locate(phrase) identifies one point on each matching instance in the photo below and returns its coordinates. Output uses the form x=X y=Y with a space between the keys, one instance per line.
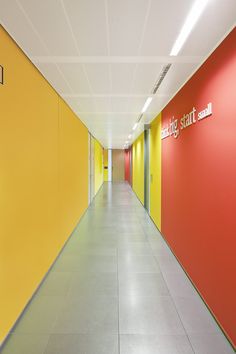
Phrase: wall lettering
x=187 y=120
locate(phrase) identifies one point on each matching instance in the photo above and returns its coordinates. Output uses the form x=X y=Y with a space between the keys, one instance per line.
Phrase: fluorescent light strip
x=191 y=20
x=146 y=104
x=135 y=126
x=129 y=136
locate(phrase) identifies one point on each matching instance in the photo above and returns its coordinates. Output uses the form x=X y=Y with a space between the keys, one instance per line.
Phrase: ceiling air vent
x=163 y=73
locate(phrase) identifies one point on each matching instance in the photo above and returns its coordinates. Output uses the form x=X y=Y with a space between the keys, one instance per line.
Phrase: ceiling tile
x=54 y=77
x=99 y=78
x=164 y=23
x=88 y=21
x=75 y=75
x=50 y=22
x=145 y=77
x=103 y=104
x=122 y=77
x=82 y=104
x=126 y=21
x=128 y=104
x=16 y=24
x=119 y=104
x=135 y=104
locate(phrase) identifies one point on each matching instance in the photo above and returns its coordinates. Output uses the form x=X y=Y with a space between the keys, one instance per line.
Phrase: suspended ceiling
x=104 y=56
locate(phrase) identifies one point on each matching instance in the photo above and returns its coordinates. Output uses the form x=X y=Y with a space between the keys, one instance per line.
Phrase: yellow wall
x=155 y=171
x=138 y=167
x=73 y=168
x=98 y=165
x=105 y=162
x=43 y=179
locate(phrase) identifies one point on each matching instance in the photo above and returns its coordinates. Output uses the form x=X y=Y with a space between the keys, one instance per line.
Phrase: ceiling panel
x=50 y=22
x=99 y=78
x=82 y=104
x=15 y=22
x=107 y=118
x=135 y=104
x=54 y=77
x=76 y=76
x=127 y=105
x=103 y=104
x=122 y=76
x=145 y=77
x=88 y=20
x=164 y=23
x=126 y=22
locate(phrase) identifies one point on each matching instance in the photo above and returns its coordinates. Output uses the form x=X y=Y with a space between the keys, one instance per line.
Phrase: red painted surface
x=199 y=184
x=127 y=165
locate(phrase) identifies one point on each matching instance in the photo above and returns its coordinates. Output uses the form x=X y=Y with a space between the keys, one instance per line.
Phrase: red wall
x=127 y=165
x=199 y=184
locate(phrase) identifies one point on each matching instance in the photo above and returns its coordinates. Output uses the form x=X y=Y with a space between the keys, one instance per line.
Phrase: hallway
x=116 y=288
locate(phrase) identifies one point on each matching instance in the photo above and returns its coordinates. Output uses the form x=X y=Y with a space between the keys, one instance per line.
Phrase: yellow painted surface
x=138 y=167
x=43 y=179
x=105 y=162
x=98 y=165
x=155 y=171
x=73 y=168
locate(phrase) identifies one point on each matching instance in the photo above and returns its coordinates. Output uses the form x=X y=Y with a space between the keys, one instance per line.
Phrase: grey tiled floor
x=116 y=288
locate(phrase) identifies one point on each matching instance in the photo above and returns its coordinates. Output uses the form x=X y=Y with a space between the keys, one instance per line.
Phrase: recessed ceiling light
x=135 y=126
x=189 y=23
x=146 y=104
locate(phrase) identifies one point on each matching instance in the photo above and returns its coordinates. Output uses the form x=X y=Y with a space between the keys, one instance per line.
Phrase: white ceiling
x=104 y=56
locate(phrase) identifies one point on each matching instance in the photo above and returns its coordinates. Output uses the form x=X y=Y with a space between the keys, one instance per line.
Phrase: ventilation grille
x=163 y=73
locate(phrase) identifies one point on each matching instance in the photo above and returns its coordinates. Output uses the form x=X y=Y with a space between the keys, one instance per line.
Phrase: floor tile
x=40 y=316
x=105 y=284
x=25 y=344
x=134 y=248
x=168 y=263
x=195 y=315
x=55 y=284
x=150 y=344
x=137 y=264
x=179 y=284
x=210 y=344
x=82 y=344
x=86 y=263
x=85 y=315
x=149 y=315
x=142 y=284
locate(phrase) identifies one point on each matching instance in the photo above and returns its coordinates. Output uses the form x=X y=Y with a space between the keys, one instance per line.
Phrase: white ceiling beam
x=116 y=59
x=106 y=95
